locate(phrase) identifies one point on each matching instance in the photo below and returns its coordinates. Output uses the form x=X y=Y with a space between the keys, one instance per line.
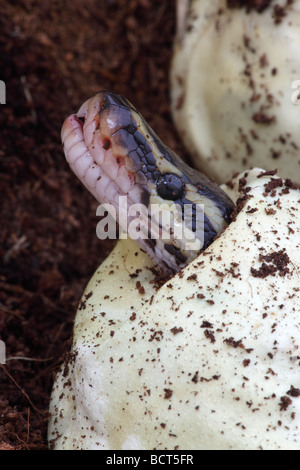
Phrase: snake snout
x=82 y=112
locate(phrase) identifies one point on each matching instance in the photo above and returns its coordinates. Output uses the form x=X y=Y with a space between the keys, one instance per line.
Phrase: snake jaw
x=73 y=143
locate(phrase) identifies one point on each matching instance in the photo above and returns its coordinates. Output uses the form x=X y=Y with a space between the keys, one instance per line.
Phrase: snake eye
x=170 y=186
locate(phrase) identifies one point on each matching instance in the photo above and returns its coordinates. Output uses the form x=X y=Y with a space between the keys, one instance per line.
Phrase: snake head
x=116 y=154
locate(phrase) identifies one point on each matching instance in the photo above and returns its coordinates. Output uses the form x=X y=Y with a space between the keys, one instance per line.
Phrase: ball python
x=115 y=153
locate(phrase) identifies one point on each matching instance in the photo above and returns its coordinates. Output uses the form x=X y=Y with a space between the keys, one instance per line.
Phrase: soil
x=53 y=56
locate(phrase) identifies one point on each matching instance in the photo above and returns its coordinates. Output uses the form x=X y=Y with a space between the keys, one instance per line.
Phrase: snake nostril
x=106 y=144
x=80 y=120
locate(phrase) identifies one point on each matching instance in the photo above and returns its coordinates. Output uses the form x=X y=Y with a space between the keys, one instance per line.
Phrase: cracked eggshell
x=209 y=360
x=231 y=88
